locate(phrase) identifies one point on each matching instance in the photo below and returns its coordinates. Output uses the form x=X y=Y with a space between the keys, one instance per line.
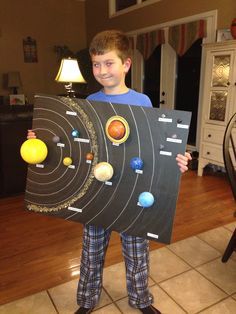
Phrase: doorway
x=187 y=85
x=151 y=83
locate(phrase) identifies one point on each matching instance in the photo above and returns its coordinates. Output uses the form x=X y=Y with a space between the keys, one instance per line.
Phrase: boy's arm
x=182 y=161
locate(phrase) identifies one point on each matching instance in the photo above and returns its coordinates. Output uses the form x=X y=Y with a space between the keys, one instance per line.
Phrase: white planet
x=103 y=171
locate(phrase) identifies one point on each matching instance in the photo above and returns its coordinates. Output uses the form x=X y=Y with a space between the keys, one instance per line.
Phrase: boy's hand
x=30 y=134
x=182 y=161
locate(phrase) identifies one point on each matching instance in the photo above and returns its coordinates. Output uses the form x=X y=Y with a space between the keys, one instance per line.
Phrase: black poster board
x=73 y=193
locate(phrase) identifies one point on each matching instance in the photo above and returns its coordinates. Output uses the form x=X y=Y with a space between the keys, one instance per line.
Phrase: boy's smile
x=110 y=71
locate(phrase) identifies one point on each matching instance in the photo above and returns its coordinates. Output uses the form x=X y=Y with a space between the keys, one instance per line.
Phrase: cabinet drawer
x=214 y=136
x=211 y=152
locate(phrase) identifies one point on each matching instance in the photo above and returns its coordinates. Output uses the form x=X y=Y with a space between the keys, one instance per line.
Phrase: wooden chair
x=229 y=153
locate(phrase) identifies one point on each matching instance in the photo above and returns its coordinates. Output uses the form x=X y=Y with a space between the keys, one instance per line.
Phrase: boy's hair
x=109 y=40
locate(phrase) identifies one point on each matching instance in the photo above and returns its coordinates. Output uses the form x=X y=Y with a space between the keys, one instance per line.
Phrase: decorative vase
x=233 y=28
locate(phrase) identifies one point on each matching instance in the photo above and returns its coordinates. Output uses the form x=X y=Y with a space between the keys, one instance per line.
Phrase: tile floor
x=185 y=277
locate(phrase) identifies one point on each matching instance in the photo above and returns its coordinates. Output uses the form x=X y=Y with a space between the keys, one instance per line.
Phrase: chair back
x=229 y=152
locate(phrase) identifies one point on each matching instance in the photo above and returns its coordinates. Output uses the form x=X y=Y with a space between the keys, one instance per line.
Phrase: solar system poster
x=70 y=182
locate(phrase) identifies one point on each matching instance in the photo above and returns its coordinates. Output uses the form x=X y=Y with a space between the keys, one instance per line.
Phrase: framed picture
x=223 y=35
x=30 y=50
x=18 y=99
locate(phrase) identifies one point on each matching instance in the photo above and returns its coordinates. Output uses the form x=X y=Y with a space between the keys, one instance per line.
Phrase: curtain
x=181 y=37
x=131 y=42
x=146 y=43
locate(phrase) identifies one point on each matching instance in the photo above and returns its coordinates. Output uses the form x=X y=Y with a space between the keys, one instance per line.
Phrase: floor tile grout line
x=213 y=304
x=215 y=283
x=187 y=261
x=179 y=305
x=51 y=299
x=118 y=307
x=211 y=244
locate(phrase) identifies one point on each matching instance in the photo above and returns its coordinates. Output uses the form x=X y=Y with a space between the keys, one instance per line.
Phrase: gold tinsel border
x=94 y=147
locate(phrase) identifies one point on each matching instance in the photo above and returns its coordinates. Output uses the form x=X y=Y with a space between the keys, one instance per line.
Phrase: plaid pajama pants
x=136 y=255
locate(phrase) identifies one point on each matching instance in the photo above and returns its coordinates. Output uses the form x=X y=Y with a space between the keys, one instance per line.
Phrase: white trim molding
x=139 y=4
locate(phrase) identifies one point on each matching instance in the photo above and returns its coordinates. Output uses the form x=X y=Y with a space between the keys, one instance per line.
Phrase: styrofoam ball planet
x=103 y=171
x=75 y=133
x=34 y=151
x=67 y=161
x=116 y=129
x=136 y=163
x=56 y=139
x=89 y=156
x=146 y=199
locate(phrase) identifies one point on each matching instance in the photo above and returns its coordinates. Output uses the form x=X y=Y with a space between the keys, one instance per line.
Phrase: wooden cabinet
x=15 y=120
x=218 y=100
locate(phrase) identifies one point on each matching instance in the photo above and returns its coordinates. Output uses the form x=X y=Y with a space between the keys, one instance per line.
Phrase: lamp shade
x=69 y=72
x=14 y=79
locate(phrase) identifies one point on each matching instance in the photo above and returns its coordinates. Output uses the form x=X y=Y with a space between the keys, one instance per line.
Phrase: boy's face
x=110 y=71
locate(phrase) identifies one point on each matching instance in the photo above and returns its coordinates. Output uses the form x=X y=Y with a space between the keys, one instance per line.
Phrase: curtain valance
x=146 y=43
x=181 y=37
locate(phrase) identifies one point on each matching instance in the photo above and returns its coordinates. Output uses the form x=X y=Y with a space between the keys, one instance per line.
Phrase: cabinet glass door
x=219 y=87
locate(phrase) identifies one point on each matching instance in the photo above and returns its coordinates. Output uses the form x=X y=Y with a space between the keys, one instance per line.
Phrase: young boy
x=109 y=51
x=110 y=55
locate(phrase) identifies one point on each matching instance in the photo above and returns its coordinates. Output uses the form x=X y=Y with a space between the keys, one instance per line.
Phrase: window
x=117 y=7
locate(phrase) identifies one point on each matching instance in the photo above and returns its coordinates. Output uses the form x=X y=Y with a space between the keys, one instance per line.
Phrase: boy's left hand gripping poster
x=106 y=164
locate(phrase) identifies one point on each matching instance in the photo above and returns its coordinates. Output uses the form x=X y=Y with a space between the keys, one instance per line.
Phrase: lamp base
x=69 y=90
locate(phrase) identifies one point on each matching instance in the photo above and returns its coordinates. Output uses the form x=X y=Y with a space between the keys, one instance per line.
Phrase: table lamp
x=69 y=73
x=14 y=81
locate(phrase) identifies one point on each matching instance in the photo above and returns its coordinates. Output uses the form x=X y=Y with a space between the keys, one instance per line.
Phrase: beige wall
x=66 y=22
x=50 y=22
x=166 y=10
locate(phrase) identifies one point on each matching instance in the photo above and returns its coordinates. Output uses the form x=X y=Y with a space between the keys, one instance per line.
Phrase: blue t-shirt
x=130 y=98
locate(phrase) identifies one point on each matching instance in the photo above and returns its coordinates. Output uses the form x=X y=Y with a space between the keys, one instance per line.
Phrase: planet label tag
x=139 y=171
x=173 y=140
x=60 y=145
x=78 y=210
x=108 y=183
x=83 y=140
x=162 y=152
x=39 y=165
x=165 y=120
x=152 y=235
x=88 y=161
x=115 y=144
x=71 y=113
x=182 y=126
x=71 y=166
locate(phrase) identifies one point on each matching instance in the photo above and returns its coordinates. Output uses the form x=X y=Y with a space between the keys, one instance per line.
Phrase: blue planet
x=136 y=163
x=146 y=199
x=75 y=133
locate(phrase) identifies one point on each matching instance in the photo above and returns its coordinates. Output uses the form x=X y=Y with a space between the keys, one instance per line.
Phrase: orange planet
x=89 y=156
x=116 y=129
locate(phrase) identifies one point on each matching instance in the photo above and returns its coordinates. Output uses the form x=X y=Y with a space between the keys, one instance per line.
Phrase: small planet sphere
x=67 y=161
x=34 y=151
x=31 y=134
x=89 y=156
x=116 y=129
x=146 y=199
x=103 y=171
x=75 y=133
x=136 y=163
x=56 y=139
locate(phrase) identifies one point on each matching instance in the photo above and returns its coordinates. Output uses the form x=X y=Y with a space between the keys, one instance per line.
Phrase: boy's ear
x=127 y=64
